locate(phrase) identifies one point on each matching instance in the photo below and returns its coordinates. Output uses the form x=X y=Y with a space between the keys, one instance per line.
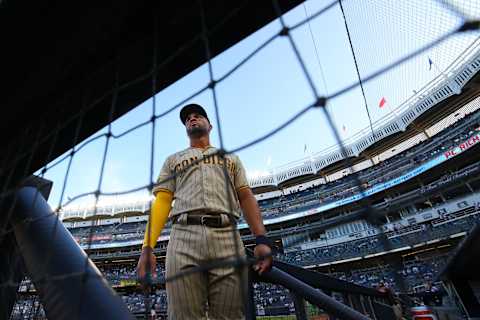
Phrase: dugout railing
x=67 y=281
x=332 y=298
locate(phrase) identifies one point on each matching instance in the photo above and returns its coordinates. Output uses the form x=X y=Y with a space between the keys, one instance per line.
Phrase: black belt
x=208 y=221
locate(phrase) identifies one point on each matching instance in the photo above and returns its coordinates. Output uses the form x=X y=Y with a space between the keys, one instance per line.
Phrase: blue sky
x=271 y=87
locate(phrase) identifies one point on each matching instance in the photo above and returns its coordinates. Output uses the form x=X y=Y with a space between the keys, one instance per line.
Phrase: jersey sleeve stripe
x=156 y=190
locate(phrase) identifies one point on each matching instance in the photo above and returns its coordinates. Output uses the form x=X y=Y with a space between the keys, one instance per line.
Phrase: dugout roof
x=58 y=57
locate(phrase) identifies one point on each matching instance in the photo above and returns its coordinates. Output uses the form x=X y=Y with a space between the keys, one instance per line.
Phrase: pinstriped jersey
x=197 y=181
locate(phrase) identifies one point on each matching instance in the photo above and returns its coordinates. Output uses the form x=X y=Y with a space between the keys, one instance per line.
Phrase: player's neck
x=200 y=142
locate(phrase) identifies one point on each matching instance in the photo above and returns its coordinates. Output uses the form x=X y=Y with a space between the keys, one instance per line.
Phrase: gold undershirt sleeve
x=159 y=215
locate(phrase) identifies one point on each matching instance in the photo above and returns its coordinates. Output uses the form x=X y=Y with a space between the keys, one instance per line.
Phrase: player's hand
x=264 y=254
x=147 y=260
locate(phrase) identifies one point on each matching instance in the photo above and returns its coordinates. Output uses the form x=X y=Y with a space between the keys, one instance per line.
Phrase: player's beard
x=197 y=132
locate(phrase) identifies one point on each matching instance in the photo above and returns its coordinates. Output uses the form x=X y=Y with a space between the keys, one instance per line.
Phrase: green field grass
x=290 y=317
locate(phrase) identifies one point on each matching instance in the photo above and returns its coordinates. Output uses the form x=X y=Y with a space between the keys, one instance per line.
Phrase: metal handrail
x=303 y=284
x=313 y=295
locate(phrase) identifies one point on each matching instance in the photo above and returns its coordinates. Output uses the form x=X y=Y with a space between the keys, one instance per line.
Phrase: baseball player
x=201 y=230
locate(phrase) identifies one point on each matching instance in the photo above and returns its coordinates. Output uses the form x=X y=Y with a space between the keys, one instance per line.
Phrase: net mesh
x=402 y=42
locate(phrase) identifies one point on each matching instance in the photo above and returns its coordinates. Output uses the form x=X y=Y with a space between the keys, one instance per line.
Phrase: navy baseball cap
x=191 y=108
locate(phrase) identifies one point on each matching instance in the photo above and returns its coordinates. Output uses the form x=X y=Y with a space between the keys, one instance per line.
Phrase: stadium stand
x=323 y=194
x=417 y=272
x=28 y=307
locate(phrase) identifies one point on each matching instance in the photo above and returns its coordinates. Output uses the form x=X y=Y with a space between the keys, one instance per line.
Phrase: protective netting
x=425 y=30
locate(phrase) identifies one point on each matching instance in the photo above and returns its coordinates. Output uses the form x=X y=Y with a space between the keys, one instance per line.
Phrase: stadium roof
x=59 y=57
x=441 y=117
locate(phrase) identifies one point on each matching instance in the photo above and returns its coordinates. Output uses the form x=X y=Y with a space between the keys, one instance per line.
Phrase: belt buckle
x=202 y=220
x=218 y=221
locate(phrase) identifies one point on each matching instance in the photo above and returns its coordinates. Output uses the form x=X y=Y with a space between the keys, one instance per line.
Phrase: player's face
x=197 y=125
